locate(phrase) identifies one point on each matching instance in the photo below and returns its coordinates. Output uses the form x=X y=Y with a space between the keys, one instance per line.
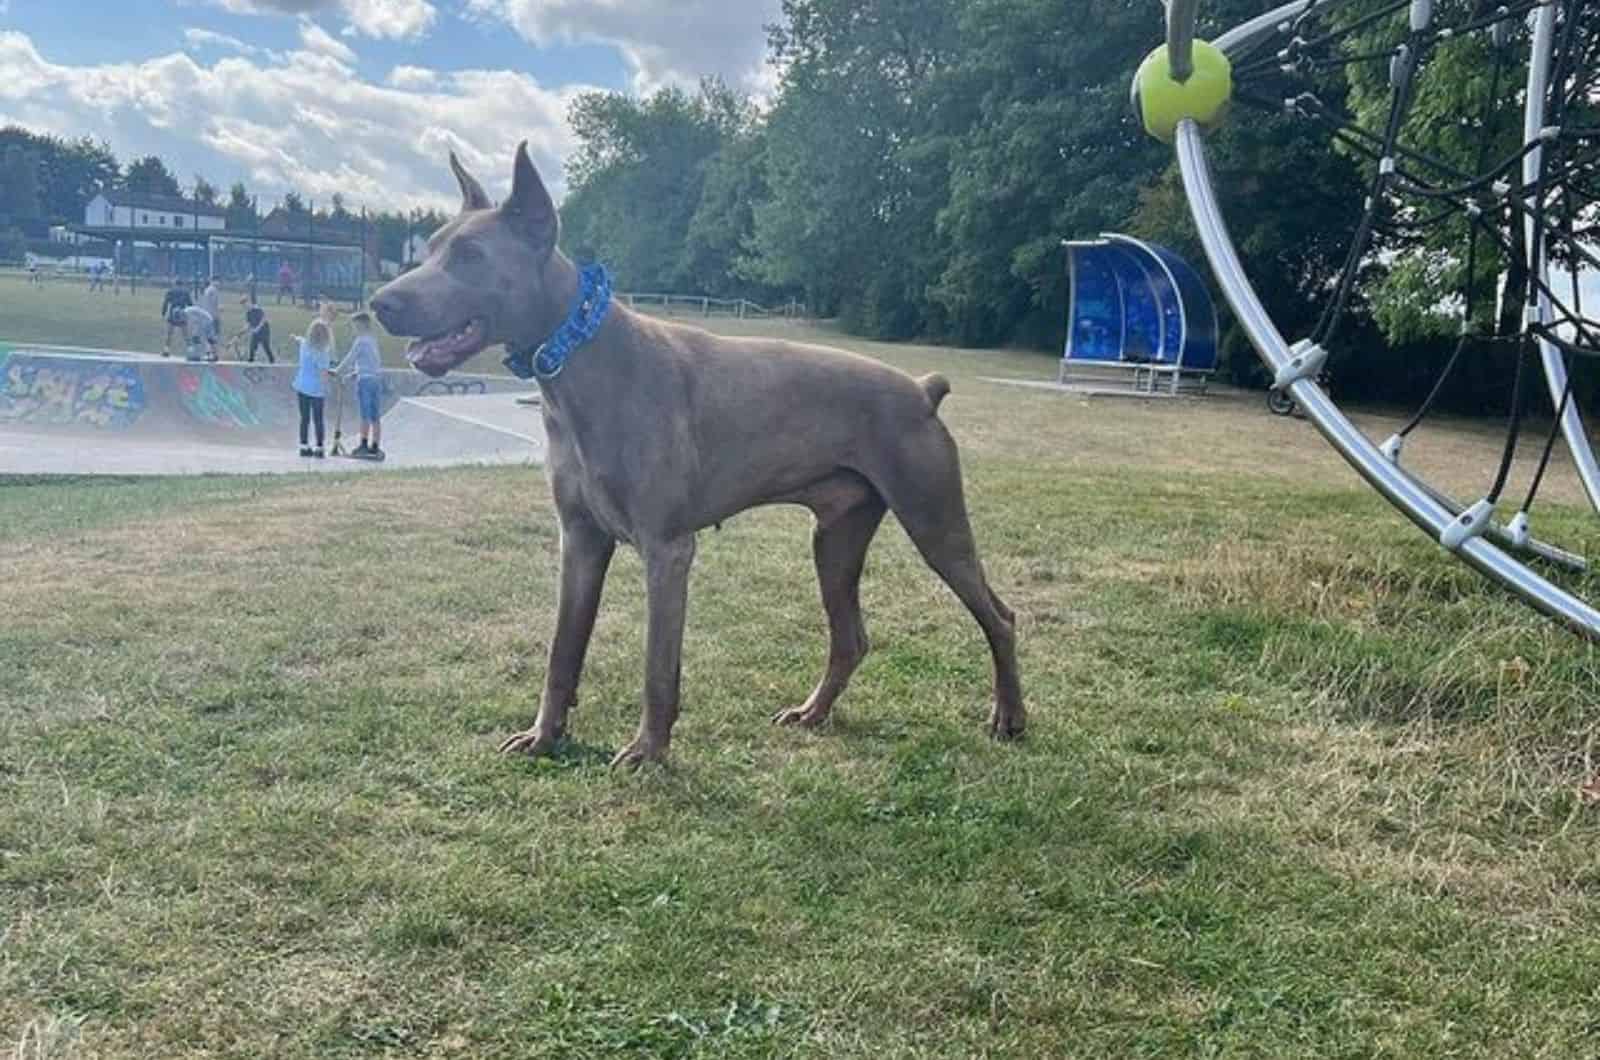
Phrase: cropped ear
x=473 y=196
x=530 y=206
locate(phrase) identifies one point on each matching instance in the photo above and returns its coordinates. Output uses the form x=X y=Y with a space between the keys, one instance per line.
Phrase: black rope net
x=1430 y=94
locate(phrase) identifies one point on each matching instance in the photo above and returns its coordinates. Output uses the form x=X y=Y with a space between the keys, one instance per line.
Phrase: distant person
x=365 y=363
x=174 y=301
x=285 y=283
x=211 y=302
x=95 y=275
x=315 y=355
x=198 y=333
x=259 y=328
x=33 y=274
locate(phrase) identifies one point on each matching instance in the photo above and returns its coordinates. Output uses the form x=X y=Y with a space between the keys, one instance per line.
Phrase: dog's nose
x=389 y=307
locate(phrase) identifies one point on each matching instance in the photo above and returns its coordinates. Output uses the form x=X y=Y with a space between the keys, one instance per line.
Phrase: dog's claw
x=1007 y=724
x=637 y=754
x=801 y=716
x=532 y=743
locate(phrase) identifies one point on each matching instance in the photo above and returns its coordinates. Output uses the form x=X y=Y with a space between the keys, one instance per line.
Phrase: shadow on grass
x=568 y=754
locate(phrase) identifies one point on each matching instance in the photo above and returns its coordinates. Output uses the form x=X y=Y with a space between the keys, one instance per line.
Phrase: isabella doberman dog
x=657 y=430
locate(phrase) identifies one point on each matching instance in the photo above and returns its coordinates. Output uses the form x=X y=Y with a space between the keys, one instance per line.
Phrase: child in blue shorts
x=365 y=363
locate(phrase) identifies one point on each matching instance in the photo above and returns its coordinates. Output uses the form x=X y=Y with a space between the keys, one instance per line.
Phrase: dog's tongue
x=438 y=355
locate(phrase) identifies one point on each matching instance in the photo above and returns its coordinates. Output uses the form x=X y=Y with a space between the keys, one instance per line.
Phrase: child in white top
x=314 y=357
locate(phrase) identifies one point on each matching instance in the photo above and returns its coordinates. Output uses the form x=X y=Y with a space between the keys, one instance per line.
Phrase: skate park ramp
x=100 y=412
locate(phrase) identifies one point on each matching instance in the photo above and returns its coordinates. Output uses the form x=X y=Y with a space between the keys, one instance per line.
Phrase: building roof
x=165 y=203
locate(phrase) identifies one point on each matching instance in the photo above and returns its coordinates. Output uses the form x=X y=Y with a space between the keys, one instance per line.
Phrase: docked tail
x=936 y=387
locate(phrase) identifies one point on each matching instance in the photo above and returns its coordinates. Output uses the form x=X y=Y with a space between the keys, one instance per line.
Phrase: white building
x=125 y=209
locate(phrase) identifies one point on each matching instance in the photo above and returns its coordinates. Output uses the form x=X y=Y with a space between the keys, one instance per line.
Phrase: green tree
x=13 y=245
x=205 y=192
x=638 y=177
x=241 y=208
x=724 y=220
x=857 y=163
x=1046 y=149
x=19 y=184
x=150 y=176
x=70 y=172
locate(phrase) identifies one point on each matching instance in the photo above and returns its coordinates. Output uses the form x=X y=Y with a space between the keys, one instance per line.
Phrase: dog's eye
x=466 y=254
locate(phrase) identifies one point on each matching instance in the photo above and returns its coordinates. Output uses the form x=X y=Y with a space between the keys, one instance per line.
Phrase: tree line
x=46 y=180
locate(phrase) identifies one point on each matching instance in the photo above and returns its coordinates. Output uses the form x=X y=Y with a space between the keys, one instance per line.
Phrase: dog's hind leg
x=922 y=481
x=839 y=544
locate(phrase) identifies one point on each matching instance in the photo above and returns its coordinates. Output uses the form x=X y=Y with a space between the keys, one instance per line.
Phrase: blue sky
x=359 y=96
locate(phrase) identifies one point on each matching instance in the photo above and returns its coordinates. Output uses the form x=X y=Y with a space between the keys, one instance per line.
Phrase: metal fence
x=233 y=276
x=706 y=306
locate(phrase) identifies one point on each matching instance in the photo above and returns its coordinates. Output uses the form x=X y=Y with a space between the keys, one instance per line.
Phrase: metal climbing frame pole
x=1180 y=38
x=1555 y=368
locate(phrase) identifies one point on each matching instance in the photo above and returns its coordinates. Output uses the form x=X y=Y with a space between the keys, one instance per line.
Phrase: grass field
x=1296 y=785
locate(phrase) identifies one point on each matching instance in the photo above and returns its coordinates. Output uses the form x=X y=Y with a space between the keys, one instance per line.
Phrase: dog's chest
x=579 y=474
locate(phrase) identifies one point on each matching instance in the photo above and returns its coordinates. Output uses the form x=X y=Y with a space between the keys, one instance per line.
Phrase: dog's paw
x=1007 y=724
x=638 y=753
x=532 y=742
x=804 y=717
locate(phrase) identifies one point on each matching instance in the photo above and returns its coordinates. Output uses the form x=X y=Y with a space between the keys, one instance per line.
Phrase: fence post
x=255 y=249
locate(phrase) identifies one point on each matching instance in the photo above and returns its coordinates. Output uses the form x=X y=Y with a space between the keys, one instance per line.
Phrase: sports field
x=1296 y=784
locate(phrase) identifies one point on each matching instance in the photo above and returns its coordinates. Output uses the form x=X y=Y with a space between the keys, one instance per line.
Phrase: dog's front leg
x=585 y=555
x=666 y=565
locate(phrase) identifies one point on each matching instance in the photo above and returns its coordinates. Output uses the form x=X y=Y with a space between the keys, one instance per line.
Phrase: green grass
x=1296 y=784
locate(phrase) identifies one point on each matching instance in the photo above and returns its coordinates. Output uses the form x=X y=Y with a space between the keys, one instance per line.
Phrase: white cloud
x=663 y=41
x=412 y=77
x=198 y=39
x=390 y=18
x=316 y=39
x=308 y=122
x=395 y=19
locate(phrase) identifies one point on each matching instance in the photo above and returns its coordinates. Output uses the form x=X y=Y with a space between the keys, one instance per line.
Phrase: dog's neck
x=558 y=288
x=565 y=327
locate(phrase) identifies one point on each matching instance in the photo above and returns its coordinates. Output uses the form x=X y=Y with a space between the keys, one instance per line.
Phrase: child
x=211 y=302
x=196 y=325
x=176 y=299
x=259 y=328
x=365 y=362
x=308 y=383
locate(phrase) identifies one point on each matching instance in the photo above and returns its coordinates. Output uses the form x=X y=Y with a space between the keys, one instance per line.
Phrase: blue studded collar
x=546 y=360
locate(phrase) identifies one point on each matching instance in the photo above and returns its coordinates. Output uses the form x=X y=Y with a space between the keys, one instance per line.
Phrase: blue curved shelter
x=1137 y=315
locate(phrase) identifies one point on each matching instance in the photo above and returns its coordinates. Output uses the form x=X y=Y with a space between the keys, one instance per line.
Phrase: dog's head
x=483 y=281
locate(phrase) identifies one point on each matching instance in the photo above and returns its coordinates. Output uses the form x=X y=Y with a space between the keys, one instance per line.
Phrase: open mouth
x=437 y=355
